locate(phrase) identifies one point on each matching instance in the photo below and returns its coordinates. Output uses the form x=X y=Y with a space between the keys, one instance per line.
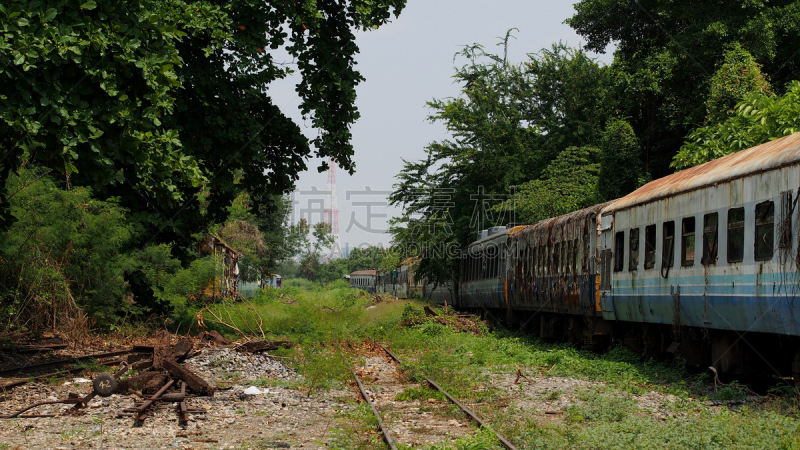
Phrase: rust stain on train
x=772 y=155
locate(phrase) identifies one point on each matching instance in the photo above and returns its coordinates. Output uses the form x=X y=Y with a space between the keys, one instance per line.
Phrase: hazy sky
x=407 y=63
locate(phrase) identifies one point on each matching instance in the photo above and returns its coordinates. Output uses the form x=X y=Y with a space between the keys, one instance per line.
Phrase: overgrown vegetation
x=605 y=414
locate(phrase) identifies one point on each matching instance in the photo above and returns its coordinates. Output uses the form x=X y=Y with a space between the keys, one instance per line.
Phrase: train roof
x=544 y=227
x=364 y=272
x=494 y=237
x=762 y=158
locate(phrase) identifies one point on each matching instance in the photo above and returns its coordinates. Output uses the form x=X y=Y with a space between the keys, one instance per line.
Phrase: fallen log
x=194 y=382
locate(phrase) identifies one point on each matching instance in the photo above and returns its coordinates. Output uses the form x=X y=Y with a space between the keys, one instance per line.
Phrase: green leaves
x=89 y=5
x=49 y=15
x=759 y=118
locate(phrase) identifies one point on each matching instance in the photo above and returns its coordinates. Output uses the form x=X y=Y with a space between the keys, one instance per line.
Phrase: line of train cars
x=702 y=264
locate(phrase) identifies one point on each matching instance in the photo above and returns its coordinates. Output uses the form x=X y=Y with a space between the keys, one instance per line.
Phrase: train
x=701 y=264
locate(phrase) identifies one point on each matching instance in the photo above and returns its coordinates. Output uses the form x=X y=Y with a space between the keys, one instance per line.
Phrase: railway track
x=388 y=437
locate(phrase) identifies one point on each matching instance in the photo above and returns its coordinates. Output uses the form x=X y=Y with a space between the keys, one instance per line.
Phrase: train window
x=649 y=246
x=633 y=256
x=575 y=256
x=710 y=237
x=765 y=230
x=556 y=257
x=546 y=260
x=668 y=245
x=687 y=242
x=619 y=251
x=543 y=261
x=735 y=235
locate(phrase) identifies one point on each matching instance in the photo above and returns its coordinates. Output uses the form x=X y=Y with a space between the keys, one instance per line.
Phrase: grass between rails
x=604 y=415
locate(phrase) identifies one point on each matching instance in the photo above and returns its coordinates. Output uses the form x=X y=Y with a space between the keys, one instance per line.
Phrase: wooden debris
x=180 y=350
x=429 y=312
x=213 y=336
x=194 y=382
x=155 y=383
x=32 y=348
x=162 y=348
x=137 y=382
x=520 y=375
x=257 y=345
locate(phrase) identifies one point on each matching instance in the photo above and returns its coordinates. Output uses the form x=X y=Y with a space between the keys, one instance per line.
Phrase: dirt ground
x=280 y=417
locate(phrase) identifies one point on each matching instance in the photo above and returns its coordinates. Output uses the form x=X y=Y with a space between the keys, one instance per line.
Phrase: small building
x=363 y=279
x=226 y=281
x=274 y=282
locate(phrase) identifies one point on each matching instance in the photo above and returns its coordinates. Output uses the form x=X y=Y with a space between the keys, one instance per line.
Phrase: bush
x=62 y=261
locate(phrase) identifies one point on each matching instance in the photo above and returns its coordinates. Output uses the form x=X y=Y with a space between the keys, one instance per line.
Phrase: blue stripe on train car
x=762 y=313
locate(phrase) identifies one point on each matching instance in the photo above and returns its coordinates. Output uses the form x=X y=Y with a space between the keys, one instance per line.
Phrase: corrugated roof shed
x=762 y=158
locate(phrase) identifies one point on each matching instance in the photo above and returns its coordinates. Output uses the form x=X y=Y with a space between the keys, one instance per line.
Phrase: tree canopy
x=165 y=104
x=508 y=124
x=668 y=56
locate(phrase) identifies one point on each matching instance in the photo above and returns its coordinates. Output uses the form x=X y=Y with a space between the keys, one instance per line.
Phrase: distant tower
x=332 y=211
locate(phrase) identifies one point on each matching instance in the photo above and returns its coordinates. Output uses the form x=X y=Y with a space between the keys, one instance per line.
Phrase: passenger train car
x=364 y=279
x=701 y=264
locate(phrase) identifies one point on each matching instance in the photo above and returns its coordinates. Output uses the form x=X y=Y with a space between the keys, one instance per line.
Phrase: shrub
x=61 y=262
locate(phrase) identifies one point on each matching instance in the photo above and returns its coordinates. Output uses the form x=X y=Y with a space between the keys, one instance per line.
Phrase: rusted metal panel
x=553 y=264
x=765 y=157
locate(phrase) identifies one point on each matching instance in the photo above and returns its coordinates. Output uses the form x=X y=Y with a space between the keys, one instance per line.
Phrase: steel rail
x=385 y=431
x=453 y=400
x=141 y=410
x=7 y=373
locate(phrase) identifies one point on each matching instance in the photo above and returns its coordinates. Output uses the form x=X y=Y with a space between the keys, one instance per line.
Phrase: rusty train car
x=702 y=264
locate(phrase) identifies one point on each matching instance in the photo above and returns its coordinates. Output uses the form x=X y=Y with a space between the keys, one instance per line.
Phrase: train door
x=604 y=267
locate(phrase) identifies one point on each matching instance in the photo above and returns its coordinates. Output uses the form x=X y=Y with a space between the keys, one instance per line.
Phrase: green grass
x=420 y=393
x=322 y=320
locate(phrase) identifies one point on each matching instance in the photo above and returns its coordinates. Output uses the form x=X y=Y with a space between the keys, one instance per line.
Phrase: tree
x=149 y=101
x=62 y=262
x=758 y=119
x=738 y=76
x=569 y=183
x=311 y=265
x=620 y=169
x=667 y=53
x=371 y=257
x=508 y=124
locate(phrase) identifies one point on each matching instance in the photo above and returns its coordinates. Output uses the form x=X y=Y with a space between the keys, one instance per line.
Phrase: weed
x=72 y=432
x=91 y=365
x=230 y=375
x=555 y=395
x=239 y=411
x=356 y=430
x=599 y=407
x=733 y=391
x=272 y=382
